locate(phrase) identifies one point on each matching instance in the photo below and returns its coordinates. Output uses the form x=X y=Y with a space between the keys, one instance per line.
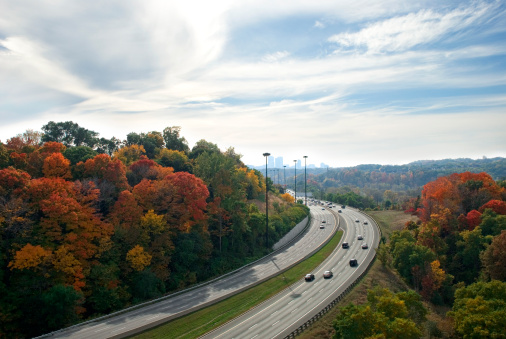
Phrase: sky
x=343 y=82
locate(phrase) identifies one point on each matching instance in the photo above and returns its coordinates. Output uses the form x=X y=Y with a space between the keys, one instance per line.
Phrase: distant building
x=278 y=163
x=322 y=165
x=270 y=161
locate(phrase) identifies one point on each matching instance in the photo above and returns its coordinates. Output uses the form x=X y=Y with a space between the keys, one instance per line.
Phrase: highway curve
x=282 y=314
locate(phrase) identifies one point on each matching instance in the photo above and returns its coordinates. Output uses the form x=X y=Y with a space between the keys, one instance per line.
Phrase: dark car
x=340 y=211
x=309 y=277
x=327 y=274
x=360 y=237
x=353 y=262
x=346 y=245
x=343 y=206
x=322 y=227
x=364 y=246
x=324 y=221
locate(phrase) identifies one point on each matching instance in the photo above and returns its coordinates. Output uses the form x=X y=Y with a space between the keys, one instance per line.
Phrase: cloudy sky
x=344 y=82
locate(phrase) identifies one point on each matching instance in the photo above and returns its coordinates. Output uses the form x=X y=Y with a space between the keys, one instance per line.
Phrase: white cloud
x=319 y=24
x=144 y=65
x=274 y=57
x=401 y=33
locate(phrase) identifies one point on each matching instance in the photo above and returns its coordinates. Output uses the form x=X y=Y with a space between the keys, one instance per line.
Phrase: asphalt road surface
x=285 y=312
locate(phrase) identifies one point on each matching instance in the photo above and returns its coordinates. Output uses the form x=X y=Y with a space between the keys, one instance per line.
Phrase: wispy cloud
x=273 y=57
x=402 y=33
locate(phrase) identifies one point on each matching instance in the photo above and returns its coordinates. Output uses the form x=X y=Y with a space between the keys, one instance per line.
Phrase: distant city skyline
x=277 y=162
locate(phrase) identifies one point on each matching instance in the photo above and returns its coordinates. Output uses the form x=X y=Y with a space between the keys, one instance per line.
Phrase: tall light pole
x=305 y=180
x=284 y=174
x=295 y=161
x=266 y=204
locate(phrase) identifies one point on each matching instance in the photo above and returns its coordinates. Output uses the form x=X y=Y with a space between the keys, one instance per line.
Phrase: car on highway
x=365 y=222
x=340 y=211
x=345 y=245
x=364 y=246
x=327 y=274
x=309 y=277
x=356 y=220
x=323 y=209
x=353 y=262
x=324 y=221
x=360 y=237
x=322 y=227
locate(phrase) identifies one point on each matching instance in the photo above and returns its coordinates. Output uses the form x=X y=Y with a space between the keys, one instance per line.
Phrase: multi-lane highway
x=126 y=323
x=282 y=314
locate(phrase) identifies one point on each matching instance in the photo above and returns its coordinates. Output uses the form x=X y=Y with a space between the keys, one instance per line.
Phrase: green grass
x=203 y=321
x=390 y=221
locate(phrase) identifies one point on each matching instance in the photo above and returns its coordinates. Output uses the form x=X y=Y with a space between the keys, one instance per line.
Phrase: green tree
x=173 y=140
x=479 y=310
x=203 y=146
x=79 y=153
x=69 y=134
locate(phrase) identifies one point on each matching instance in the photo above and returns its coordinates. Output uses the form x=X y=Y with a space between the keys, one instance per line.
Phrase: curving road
x=151 y=314
x=282 y=314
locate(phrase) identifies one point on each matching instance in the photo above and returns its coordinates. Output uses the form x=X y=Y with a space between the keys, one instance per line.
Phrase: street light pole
x=266 y=204
x=305 y=180
x=284 y=174
x=295 y=161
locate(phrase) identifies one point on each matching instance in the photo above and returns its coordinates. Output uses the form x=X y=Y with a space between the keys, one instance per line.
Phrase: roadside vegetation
x=449 y=248
x=89 y=226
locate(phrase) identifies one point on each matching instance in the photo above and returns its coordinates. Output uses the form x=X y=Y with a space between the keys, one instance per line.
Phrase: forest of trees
x=390 y=186
x=454 y=256
x=90 y=225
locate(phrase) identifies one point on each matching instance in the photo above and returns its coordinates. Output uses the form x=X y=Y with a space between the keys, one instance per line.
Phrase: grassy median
x=204 y=320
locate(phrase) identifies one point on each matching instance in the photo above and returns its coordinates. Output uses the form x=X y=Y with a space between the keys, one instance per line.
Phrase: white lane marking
x=295 y=309
x=275 y=323
x=118 y=329
x=253 y=325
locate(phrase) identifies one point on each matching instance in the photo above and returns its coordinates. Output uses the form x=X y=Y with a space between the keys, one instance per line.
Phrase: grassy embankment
x=203 y=321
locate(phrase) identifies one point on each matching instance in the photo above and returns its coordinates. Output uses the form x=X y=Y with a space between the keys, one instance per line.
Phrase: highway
x=283 y=313
x=151 y=314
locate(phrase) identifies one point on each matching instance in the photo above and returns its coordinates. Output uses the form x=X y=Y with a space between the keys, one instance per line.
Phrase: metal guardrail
x=336 y=300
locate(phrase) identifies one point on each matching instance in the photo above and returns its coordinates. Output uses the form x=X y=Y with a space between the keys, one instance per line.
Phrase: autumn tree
x=138 y=258
x=385 y=315
x=146 y=169
x=493 y=259
x=129 y=154
x=151 y=142
x=56 y=166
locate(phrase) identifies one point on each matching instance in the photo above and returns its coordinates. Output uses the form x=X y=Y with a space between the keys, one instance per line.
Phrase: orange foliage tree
x=56 y=166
